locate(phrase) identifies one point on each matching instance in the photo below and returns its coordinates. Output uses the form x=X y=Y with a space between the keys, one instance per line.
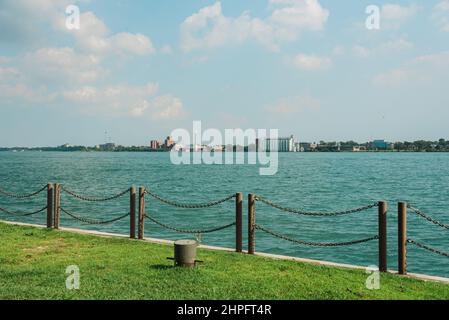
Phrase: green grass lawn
x=33 y=263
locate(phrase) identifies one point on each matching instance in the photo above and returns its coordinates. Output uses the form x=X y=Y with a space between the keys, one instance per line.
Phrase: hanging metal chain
x=188 y=231
x=315 y=214
x=315 y=244
x=423 y=246
x=23 y=214
x=189 y=206
x=22 y=196
x=92 y=221
x=83 y=198
x=430 y=219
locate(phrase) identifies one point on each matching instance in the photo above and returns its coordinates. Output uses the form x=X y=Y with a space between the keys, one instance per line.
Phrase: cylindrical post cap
x=185 y=252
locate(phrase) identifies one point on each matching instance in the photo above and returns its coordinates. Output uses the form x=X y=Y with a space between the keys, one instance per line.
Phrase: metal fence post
x=50 y=205
x=402 y=238
x=238 y=222
x=251 y=222
x=382 y=236
x=141 y=212
x=56 y=205
x=132 y=212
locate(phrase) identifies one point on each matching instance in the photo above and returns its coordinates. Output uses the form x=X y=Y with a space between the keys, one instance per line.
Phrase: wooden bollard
x=132 y=212
x=50 y=205
x=382 y=236
x=238 y=222
x=402 y=238
x=56 y=205
x=141 y=212
x=251 y=222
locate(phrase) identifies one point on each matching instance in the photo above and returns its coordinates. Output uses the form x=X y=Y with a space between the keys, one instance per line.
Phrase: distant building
x=358 y=148
x=305 y=146
x=381 y=145
x=297 y=147
x=169 y=142
x=283 y=144
x=154 y=144
x=107 y=146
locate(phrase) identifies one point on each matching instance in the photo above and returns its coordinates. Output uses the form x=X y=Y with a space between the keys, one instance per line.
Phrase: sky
x=136 y=70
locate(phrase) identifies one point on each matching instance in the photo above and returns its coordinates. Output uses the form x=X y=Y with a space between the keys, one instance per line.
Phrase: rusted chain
x=315 y=244
x=315 y=214
x=188 y=231
x=423 y=246
x=23 y=214
x=92 y=221
x=84 y=198
x=24 y=195
x=430 y=219
x=189 y=206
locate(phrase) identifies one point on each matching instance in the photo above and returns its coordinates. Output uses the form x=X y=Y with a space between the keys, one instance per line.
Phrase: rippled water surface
x=309 y=181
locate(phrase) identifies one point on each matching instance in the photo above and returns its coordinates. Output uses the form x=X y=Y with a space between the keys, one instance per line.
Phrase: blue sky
x=139 y=69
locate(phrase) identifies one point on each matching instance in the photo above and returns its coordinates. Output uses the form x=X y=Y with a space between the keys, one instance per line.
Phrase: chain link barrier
x=23 y=195
x=89 y=199
x=315 y=214
x=423 y=246
x=23 y=214
x=92 y=221
x=189 y=206
x=188 y=231
x=314 y=244
x=430 y=219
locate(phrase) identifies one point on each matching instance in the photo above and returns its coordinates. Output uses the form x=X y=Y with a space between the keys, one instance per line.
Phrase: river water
x=309 y=181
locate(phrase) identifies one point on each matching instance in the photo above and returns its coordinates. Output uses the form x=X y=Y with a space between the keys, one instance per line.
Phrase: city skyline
x=309 y=68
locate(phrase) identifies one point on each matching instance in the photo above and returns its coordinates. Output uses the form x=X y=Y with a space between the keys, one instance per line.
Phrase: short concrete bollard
x=185 y=253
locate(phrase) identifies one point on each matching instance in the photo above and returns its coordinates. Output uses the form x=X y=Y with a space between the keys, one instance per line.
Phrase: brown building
x=168 y=143
x=154 y=144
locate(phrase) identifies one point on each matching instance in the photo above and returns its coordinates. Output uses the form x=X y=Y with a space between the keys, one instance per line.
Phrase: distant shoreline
x=20 y=150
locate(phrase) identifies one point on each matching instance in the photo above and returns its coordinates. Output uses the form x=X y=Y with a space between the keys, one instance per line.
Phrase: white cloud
x=291 y=105
x=8 y=74
x=22 y=21
x=62 y=65
x=4 y=60
x=361 y=51
x=31 y=95
x=126 y=100
x=166 y=107
x=388 y=47
x=440 y=15
x=393 y=78
x=400 y=44
x=166 y=49
x=209 y=28
x=338 y=50
x=299 y=14
x=311 y=62
x=75 y=76
x=95 y=36
x=437 y=60
x=394 y=15
x=422 y=70
x=397 y=12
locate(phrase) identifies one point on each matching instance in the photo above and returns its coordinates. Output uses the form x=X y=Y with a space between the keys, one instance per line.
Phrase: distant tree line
x=441 y=145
